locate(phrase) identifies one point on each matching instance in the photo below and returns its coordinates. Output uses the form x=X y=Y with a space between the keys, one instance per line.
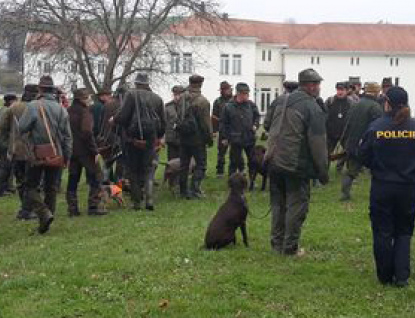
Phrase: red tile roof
x=324 y=36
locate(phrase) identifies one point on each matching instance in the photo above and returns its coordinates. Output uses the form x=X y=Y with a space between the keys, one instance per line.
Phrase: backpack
x=148 y=123
x=187 y=125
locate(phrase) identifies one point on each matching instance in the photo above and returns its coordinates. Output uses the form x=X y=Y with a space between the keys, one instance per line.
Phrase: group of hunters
x=371 y=127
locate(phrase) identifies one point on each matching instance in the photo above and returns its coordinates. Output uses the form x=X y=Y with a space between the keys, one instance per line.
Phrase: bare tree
x=125 y=32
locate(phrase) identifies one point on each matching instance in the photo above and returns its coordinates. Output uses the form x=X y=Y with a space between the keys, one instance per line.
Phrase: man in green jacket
x=358 y=120
x=297 y=152
x=18 y=150
x=60 y=130
x=195 y=132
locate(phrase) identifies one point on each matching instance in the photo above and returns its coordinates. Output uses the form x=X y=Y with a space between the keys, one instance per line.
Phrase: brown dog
x=231 y=216
x=258 y=167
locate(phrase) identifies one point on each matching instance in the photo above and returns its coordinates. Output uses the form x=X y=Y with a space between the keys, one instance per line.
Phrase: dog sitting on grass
x=231 y=216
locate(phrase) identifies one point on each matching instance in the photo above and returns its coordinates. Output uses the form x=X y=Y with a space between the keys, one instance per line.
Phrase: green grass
x=138 y=264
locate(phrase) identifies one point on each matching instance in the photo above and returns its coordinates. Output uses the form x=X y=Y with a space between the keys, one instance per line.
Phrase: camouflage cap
x=342 y=85
x=309 y=76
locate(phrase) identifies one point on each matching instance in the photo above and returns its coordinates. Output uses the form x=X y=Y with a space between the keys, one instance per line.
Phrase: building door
x=265 y=100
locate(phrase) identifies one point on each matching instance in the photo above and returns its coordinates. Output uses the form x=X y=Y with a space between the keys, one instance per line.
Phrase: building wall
x=337 y=66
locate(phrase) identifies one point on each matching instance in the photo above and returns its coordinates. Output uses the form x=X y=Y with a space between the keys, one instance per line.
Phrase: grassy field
x=141 y=264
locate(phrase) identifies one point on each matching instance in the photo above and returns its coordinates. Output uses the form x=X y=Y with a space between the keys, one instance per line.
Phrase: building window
x=312 y=60
x=265 y=99
x=224 y=64
x=73 y=67
x=396 y=81
x=264 y=53
x=101 y=67
x=318 y=59
x=352 y=61
x=391 y=61
x=187 y=63
x=269 y=55
x=175 y=63
x=357 y=60
x=315 y=60
x=397 y=61
x=237 y=64
x=47 y=68
x=277 y=93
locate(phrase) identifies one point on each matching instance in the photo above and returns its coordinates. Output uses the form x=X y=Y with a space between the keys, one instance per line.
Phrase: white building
x=265 y=54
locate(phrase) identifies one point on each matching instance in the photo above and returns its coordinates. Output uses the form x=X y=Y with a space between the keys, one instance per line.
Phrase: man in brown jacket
x=84 y=155
x=18 y=148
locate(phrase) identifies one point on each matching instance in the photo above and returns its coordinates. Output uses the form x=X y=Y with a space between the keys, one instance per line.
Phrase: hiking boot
x=45 y=222
x=26 y=215
x=72 y=200
x=346 y=188
x=95 y=211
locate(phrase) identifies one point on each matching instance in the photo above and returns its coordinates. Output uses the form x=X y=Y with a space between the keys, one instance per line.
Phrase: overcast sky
x=315 y=11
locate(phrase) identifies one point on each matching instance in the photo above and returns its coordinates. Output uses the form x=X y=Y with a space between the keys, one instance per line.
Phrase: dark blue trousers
x=392 y=213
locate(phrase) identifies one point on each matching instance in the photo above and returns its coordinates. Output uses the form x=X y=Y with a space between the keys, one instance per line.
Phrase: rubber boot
x=149 y=188
x=94 y=202
x=347 y=182
x=72 y=200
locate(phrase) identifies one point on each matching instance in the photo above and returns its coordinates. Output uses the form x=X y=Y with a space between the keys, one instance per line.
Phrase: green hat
x=81 y=93
x=242 y=88
x=196 y=79
x=177 y=89
x=309 y=76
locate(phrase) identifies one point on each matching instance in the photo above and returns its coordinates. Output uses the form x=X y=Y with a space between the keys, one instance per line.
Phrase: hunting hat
x=397 y=97
x=387 y=82
x=31 y=88
x=372 y=88
x=309 y=76
x=341 y=85
x=177 y=89
x=225 y=85
x=290 y=85
x=196 y=79
x=9 y=97
x=81 y=93
x=242 y=88
x=355 y=81
x=104 y=91
x=142 y=79
x=46 y=81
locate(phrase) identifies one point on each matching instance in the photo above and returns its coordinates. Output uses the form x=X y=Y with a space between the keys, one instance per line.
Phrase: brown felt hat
x=46 y=81
x=81 y=93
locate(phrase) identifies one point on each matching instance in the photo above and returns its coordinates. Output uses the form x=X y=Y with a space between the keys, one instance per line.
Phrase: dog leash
x=261 y=217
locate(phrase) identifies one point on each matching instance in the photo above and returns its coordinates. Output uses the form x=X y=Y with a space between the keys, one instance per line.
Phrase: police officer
x=195 y=131
x=297 y=152
x=218 y=106
x=172 y=109
x=240 y=122
x=388 y=149
x=358 y=120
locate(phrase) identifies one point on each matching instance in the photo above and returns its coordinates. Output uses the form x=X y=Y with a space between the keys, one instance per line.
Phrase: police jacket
x=58 y=120
x=388 y=150
x=238 y=122
x=297 y=140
